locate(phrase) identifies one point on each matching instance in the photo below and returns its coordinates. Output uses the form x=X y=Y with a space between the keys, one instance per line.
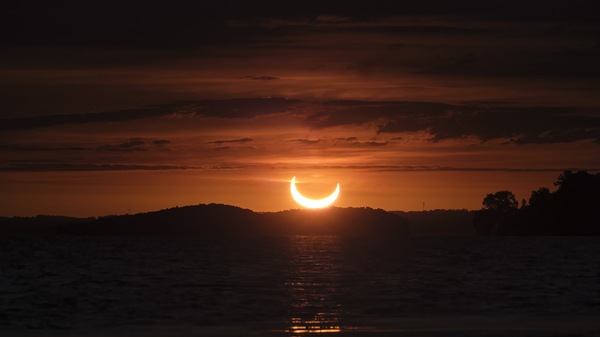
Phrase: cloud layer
x=519 y=125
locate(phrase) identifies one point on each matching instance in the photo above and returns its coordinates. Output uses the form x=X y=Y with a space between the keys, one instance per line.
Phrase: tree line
x=573 y=209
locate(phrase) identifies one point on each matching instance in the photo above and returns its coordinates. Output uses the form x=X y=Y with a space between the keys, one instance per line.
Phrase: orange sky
x=399 y=107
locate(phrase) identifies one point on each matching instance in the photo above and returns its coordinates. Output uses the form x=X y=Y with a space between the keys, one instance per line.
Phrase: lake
x=300 y=285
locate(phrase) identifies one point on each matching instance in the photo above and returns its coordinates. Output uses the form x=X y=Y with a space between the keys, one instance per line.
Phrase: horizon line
x=214 y=203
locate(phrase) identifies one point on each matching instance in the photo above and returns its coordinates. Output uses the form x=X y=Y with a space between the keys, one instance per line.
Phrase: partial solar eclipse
x=313 y=203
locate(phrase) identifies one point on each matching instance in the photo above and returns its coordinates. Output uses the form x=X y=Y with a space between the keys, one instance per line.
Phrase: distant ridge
x=37 y=225
x=227 y=220
x=440 y=222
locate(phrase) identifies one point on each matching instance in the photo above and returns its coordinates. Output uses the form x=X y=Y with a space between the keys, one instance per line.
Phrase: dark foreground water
x=293 y=286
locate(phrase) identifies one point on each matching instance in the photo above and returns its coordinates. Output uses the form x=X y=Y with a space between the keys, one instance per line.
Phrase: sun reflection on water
x=313 y=286
x=318 y=324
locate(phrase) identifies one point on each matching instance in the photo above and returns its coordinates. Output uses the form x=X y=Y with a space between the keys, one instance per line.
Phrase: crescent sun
x=313 y=203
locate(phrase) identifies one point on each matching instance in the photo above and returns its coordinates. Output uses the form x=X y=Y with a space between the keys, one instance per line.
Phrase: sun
x=313 y=203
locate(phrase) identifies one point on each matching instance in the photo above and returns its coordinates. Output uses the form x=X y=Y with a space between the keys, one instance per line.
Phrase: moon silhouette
x=313 y=203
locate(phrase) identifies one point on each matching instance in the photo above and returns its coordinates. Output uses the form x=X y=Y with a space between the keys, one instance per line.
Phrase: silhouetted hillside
x=37 y=225
x=440 y=222
x=334 y=221
x=217 y=219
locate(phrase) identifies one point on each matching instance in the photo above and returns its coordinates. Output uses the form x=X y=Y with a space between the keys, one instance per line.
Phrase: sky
x=134 y=106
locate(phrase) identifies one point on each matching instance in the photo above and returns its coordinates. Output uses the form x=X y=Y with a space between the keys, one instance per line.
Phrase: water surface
x=296 y=286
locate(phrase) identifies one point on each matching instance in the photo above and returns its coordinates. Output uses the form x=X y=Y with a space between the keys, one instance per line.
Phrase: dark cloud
x=261 y=78
x=305 y=141
x=132 y=143
x=523 y=125
x=468 y=59
x=395 y=46
x=336 y=141
x=119 y=148
x=561 y=136
x=241 y=140
x=55 y=166
x=161 y=142
x=408 y=30
x=354 y=141
x=349 y=139
x=505 y=60
x=50 y=167
x=202 y=23
x=375 y=143
x=129 y=146
x=310 y=29
x=226 y=148
x=486 y=103
x=424 y=168
x=40 y=148
x=232 y=108
x=443 y=121
x=360 y=112
x=34 y=161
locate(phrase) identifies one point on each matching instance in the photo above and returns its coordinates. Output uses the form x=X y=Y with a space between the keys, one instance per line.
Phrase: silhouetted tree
x=501 y=201
x=540 y=197
x=573 y=209
x=523 y=203
x=579 y=190
x=578 y=203
x=538 y=217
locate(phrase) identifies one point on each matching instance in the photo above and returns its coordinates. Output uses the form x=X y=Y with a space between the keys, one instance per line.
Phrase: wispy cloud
x=522 y=125
x=347 y=139
x=261 y=78
x=354 y=141
x=410 y=168
x=241 y=140
x=305 y=141
x=231 y=108
x=109 y=147
x=134 y=142
x=52 y=167
x=372 y=143
x=40 y=148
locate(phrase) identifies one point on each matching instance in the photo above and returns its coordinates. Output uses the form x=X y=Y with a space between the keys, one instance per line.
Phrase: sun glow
x=313 y=203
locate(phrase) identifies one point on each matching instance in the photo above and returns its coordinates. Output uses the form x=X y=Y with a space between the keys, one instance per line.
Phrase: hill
x=223 y=220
